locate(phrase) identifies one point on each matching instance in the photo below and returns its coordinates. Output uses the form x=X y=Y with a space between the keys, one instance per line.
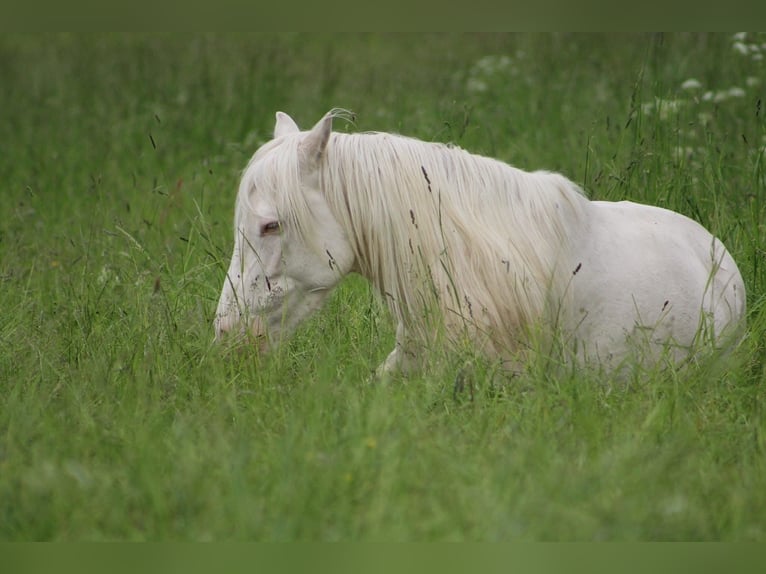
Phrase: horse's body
x=470 y=247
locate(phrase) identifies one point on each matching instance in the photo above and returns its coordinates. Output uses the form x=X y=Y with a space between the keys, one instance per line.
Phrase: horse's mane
x=435 y=227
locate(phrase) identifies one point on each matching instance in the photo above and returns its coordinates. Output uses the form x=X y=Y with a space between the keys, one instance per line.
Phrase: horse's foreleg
x=403 y=359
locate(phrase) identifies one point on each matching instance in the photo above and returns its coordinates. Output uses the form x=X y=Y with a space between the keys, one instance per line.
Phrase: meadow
x=120 y=419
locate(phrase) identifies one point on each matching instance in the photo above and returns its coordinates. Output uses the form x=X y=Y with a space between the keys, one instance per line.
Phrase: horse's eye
x=270 y=227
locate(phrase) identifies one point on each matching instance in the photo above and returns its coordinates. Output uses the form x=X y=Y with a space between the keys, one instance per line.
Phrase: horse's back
x=650 y=277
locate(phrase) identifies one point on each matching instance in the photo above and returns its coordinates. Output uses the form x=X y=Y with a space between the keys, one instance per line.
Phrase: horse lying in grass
x=469 y=247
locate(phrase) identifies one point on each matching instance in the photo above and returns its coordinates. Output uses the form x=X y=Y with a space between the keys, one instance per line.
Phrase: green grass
x=119 y=418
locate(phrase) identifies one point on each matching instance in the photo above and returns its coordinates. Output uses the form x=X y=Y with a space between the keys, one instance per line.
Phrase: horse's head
x=289 y=249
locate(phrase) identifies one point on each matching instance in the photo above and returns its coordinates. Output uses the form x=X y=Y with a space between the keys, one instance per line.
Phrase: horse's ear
x=315 y=142
x=285 y=125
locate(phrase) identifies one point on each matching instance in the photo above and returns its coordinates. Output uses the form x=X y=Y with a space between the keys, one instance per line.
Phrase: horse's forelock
x=274 y=176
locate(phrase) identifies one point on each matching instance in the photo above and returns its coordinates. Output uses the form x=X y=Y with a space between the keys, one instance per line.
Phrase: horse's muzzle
x=255 y=334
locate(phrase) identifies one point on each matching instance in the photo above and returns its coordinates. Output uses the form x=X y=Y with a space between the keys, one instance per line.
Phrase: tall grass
x=119 y=419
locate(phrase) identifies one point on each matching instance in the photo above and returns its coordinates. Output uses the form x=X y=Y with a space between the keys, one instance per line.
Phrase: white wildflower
x=721 y=96
x=484 y=64
x=708 y=96
x=490 y=65
x=486 y=69
x=669 y=107
x=691 y=84
x=647 y=108
x=739 y=36
x=665 y=108
x=736 y=92
x=756 y=57
x=476 y=86
x=752 y=81
x=741 y=48
x=503 y=62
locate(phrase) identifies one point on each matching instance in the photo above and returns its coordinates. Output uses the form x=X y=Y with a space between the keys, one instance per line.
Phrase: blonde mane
x=446 y=236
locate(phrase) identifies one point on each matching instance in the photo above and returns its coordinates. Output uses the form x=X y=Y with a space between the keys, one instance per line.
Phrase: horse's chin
x=246 y=337
x=260 y=337
x=243 y=343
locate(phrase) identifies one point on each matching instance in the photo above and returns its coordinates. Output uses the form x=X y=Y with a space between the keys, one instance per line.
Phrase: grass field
x=121 y=420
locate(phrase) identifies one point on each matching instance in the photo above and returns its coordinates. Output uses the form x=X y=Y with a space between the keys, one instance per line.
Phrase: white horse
x=469 y=247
